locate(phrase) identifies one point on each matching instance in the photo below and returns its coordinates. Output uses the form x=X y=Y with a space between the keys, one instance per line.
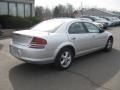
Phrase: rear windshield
x=48 y=26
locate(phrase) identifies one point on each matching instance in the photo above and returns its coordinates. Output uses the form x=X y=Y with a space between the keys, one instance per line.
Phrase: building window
x=3 y=8
x=27 y=10
x=20 y=9
x=12 y=9
x=17 y=9
x=33 y=10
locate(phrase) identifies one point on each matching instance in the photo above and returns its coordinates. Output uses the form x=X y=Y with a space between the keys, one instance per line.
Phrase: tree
x=39 y=12
x=47 y=13
x=59 y=11
x=63 y=11
x=69 y=10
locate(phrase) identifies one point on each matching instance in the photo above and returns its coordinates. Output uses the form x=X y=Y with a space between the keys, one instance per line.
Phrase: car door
x=79 y=36
x=98 y=38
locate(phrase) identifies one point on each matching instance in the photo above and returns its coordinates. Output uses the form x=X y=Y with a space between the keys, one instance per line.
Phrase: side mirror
x=101 y=30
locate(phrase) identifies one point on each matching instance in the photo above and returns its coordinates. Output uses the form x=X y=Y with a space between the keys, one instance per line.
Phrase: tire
x=109 y=45
x=63 y=59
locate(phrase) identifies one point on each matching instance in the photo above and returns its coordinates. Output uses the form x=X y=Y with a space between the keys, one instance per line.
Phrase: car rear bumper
x=32 y=55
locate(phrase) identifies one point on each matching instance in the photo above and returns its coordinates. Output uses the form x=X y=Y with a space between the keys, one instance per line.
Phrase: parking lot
x=96 y=71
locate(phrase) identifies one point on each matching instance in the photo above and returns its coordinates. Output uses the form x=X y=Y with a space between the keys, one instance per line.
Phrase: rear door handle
x=73 y=38
x=93 y=36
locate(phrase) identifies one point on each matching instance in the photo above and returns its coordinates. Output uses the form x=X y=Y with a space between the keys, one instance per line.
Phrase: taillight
x=38 y=43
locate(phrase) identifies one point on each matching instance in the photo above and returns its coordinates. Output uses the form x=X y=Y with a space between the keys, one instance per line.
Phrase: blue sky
x=109 y=4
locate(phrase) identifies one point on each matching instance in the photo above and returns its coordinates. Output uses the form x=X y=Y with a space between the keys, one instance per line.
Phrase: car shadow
x=99 y=66
x=96 y=68
x=1 y=46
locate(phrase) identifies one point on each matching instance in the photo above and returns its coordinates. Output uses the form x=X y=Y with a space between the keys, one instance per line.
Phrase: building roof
x=22 y=1
x=94 y=12
x=98 y=12
x=108 y=12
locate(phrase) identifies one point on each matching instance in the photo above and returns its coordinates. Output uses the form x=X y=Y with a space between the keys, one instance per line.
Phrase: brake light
x=38 y=43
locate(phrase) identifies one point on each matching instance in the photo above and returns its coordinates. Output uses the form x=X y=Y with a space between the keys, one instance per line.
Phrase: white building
x=22 y=8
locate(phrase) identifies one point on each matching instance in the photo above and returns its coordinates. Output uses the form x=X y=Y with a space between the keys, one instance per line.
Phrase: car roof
x=65 y=20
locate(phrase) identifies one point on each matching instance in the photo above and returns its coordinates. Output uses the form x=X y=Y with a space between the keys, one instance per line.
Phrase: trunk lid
x=25 y=37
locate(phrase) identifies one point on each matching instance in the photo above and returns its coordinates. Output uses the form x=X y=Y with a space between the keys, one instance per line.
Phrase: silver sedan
x=58 y=41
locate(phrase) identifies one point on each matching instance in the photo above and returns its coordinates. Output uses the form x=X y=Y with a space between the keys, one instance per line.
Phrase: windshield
x=102 y=19
x=48 y=26
x=97 y=18
x=86 y=19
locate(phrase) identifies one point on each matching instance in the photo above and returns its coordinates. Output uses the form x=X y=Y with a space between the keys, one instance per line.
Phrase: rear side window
x=76 y=28
x=91 y=28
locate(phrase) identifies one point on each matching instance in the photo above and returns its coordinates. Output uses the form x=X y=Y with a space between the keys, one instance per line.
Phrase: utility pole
x=81 y=8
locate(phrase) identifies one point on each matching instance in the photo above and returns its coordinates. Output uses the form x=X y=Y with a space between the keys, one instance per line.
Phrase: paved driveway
x=96 y=71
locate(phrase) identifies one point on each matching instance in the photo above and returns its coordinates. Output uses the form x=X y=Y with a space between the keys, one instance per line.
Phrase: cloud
x=109 y=4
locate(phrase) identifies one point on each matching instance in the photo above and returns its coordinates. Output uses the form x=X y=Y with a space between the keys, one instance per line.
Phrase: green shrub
x=33 y=20
x=12 y=22
x=1 y=33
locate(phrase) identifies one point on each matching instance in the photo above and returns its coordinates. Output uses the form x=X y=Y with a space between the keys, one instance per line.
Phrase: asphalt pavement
x=96 y=71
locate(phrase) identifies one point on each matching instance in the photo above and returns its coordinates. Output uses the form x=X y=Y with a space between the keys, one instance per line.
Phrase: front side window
x=76 y=28
x=91 y=28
